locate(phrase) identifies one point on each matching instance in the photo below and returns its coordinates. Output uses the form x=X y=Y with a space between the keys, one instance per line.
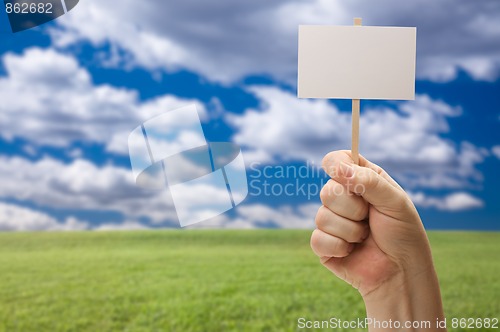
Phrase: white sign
x=357 y=62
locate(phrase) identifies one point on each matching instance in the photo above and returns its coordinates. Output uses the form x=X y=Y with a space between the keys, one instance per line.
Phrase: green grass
x=208 y=280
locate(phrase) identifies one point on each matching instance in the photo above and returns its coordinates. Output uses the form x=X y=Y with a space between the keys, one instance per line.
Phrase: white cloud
x=122 y=226
x=17 y=218
x=404 y=139
x=227 y=40
x=82 y=185
x=49 y=99
x=288 y=216
x=454 y=202
x=496 y=151
x=250 y=216
x=288 y=127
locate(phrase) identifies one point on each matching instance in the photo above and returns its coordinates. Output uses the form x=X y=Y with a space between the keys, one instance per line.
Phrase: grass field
x=208 y=280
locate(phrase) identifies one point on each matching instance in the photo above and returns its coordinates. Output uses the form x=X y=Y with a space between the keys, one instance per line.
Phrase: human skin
x=370 y=235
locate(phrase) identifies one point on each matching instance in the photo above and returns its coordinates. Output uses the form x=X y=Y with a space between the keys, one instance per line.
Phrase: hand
x=370 y=235
x=368 y=228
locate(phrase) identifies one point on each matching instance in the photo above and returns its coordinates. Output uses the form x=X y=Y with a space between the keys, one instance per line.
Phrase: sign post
x=356 y=62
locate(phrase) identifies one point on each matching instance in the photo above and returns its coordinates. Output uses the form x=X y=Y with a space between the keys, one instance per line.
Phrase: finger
x=324 y=244
x=332 y=159
x=338 y=226
x=343 y=202
x=375 y=189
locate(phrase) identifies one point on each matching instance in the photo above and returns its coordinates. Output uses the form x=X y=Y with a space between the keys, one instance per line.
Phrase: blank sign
x=357 y=62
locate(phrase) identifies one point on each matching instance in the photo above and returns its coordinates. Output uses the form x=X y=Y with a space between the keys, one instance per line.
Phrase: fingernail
x=346 y=170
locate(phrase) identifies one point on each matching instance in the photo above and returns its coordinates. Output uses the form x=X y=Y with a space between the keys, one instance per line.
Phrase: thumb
x=376 y=190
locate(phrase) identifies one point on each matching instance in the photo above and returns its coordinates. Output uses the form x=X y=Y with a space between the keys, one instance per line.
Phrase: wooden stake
x=355 y=117
x=355 y=131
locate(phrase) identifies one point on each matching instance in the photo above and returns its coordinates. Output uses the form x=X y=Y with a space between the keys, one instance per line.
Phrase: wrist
x=409 y=297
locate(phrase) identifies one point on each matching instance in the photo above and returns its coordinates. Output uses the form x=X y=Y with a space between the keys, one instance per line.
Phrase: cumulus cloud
x=250 y=216
x=454 y=202
x=17 y=218
x=57 y=104
x=405 y=138
x=227 y=40
x=301 y=216
x=82 y=185
x=496 y=151
x=122 y=226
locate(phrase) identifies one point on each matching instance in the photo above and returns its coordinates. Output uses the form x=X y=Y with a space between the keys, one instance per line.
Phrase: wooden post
x=355 y=131
x=355 y=117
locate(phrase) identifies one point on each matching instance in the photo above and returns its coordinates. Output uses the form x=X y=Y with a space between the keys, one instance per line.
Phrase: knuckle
x=323 y=194
x=329 y=191
x=326 y=192
x=315 y=240
x=402 y=201
x=369 y=177
x=321 y=217
x=326 y=162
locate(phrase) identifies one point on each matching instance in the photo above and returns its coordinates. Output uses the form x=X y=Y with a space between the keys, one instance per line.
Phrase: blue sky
x=74 y=88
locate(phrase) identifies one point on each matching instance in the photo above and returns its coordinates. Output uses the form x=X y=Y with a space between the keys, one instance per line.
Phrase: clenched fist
x=370 y=235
